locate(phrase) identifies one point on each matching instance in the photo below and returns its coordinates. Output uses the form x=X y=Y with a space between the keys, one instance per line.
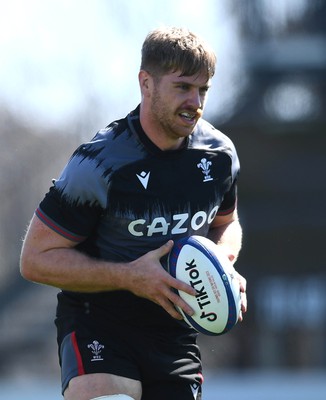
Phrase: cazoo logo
x=179 y=224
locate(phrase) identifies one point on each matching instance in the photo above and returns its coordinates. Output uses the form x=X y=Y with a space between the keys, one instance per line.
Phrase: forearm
x=51 y=259
x=228 y=235
x=69 y=269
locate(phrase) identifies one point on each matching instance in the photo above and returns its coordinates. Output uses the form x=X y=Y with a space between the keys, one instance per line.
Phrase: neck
x=157 y=134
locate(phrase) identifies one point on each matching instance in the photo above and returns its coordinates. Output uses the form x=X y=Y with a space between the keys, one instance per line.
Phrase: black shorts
x=166 y=363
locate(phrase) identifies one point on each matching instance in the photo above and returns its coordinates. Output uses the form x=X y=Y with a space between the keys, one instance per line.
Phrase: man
x=103 y=232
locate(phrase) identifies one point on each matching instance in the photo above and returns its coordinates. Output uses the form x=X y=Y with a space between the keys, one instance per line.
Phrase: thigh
x=86 y=387
x=171 y=369
x=87 y=347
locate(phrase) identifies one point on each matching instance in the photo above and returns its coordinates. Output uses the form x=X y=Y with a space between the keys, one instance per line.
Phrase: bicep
x=44 y=253
x=40 y=238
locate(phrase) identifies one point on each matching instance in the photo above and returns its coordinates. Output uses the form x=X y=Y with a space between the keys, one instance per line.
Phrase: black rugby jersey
x=120 y=196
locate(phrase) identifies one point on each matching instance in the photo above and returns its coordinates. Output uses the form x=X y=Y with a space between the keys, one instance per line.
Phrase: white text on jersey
x=179 y=224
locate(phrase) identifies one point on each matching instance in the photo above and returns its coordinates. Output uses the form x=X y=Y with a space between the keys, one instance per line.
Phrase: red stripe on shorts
x=80 y=365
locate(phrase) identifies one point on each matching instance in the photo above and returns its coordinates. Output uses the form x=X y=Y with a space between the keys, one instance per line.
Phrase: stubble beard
x=165 y=119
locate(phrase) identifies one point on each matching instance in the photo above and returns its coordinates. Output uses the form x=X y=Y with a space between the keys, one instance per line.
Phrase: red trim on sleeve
x=51 y=224
x=226 y=212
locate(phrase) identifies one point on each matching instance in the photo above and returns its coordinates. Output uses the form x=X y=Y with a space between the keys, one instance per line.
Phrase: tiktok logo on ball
x=201 y=296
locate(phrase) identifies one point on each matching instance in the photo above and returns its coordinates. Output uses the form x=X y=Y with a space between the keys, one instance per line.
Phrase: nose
x=195 y=99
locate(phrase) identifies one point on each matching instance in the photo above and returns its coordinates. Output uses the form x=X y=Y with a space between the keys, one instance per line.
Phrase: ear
x=145 y=82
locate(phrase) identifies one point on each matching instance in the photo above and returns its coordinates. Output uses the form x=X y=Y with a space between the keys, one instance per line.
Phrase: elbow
x=27 y=269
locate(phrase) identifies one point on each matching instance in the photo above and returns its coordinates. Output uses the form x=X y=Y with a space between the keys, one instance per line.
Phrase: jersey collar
x=135 y=126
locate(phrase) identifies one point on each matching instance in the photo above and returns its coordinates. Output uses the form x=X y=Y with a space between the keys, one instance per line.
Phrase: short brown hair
x=168 y=50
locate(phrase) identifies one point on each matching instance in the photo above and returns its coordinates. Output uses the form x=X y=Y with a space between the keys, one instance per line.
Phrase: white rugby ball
x=199 y=262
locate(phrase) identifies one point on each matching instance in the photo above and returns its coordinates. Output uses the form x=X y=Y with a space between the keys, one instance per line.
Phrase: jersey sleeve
x=75 y=202
x=229 y=202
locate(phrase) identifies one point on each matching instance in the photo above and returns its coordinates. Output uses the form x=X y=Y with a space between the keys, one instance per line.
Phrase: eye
x=183 y=86
x=203 y=91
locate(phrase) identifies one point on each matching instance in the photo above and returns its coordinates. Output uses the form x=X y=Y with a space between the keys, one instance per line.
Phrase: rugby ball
x=202 y=264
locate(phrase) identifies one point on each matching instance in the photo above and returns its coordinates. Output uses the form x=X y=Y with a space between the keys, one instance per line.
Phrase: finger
x=169 y=308
x=179 y=285
x=179 y=302
x=244 y=303
x=231 y=257
x=164 y=250
x=240 y=319
x=243 y=283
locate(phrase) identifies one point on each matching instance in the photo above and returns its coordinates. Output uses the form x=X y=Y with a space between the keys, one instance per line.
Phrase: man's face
x=177 y=103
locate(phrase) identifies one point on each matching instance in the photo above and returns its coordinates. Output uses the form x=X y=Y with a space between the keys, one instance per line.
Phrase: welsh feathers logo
x=96 y=349
x=204 y=165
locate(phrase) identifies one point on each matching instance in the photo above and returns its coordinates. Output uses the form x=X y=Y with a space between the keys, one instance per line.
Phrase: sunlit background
x=68 y=68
